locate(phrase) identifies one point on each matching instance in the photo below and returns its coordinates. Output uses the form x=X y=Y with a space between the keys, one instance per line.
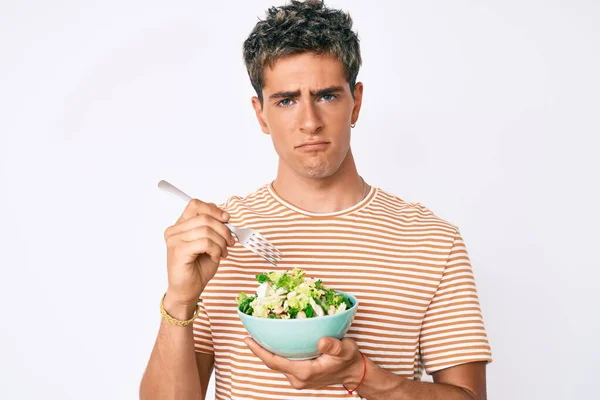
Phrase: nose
x=310 y=120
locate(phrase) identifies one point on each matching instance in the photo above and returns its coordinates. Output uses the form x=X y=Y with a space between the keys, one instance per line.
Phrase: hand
x=195 y=246
x=340 y=362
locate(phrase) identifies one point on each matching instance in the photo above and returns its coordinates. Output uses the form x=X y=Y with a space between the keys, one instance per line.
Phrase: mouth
x=313 y=145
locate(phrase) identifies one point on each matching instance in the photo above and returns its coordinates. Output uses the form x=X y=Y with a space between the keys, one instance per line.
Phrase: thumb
x=331 y=346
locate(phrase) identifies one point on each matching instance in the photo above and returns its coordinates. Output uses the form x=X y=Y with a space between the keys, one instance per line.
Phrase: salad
x=289 y=295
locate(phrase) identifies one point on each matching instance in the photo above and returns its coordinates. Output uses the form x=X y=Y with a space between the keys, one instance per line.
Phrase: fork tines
x=264 y=249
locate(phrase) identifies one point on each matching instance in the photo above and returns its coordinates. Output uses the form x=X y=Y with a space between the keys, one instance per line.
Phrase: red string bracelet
x=361 y=379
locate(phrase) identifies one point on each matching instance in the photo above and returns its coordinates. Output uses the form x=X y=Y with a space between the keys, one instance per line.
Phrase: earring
x=353 y=125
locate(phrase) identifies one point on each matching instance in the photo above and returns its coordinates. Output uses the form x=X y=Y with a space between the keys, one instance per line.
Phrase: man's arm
x=175 y=370
x=205 y=363
x=195 y=246
x=462 y=382
x=341 y=362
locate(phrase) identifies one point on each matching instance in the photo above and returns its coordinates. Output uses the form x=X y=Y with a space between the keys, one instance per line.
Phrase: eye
x=284 y=103
x=329 y=97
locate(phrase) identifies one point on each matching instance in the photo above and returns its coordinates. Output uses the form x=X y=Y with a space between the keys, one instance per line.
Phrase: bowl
x=297 y=339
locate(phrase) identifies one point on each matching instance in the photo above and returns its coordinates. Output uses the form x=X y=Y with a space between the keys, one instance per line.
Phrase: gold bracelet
x=174 y=321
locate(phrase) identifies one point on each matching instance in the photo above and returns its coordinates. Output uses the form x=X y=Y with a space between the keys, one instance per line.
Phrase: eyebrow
x=296 y=93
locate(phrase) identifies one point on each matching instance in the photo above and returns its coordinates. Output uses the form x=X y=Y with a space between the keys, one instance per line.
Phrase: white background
x=486 y=112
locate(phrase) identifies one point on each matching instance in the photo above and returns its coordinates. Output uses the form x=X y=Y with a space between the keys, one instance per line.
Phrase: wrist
x=182 y=310
x=356 y=371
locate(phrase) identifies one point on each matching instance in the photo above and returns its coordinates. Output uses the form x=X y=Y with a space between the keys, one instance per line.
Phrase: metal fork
x=249 y=238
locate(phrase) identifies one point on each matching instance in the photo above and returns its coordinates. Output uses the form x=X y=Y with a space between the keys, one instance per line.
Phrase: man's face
x=308 y=109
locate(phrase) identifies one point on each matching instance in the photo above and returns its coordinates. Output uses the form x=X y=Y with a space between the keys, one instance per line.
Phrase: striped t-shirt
x=418 y=304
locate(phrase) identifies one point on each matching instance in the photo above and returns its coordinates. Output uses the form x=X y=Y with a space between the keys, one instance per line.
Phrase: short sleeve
x=453 y=331
x=202 y=332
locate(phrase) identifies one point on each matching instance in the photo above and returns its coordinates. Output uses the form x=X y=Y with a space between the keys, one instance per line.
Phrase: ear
x=258 y=109
x=358 y=93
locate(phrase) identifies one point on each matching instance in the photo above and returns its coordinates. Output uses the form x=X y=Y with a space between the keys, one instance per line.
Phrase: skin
x=306 y=100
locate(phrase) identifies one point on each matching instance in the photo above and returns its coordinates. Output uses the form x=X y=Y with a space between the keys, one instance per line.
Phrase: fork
x=249 y=238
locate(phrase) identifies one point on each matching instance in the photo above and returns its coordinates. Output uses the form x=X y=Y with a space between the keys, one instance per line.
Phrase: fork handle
x=167 y=187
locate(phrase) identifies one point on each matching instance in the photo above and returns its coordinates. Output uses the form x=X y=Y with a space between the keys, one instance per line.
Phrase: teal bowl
x=297 y=339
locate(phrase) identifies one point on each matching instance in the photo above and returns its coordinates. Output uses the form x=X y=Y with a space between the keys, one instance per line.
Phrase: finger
x=197 y=207
x=202 y=246
x=199 y=221
x=296 y=383
x=204 y=232
x=271 y=360
x=330 y=346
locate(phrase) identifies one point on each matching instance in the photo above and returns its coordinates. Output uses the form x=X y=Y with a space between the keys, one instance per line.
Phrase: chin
x=320 y=171
x=312 y=174
x=315 y=167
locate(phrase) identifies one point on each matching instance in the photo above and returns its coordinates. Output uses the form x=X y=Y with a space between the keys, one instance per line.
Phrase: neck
x=334 y=193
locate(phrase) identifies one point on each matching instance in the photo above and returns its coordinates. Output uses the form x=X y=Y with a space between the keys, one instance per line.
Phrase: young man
x=410 y=270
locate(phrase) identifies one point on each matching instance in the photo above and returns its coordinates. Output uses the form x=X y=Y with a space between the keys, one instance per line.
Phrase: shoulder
x=411 y=214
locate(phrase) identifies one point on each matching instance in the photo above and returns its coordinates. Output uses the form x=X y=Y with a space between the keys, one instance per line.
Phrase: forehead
x=306 y=70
